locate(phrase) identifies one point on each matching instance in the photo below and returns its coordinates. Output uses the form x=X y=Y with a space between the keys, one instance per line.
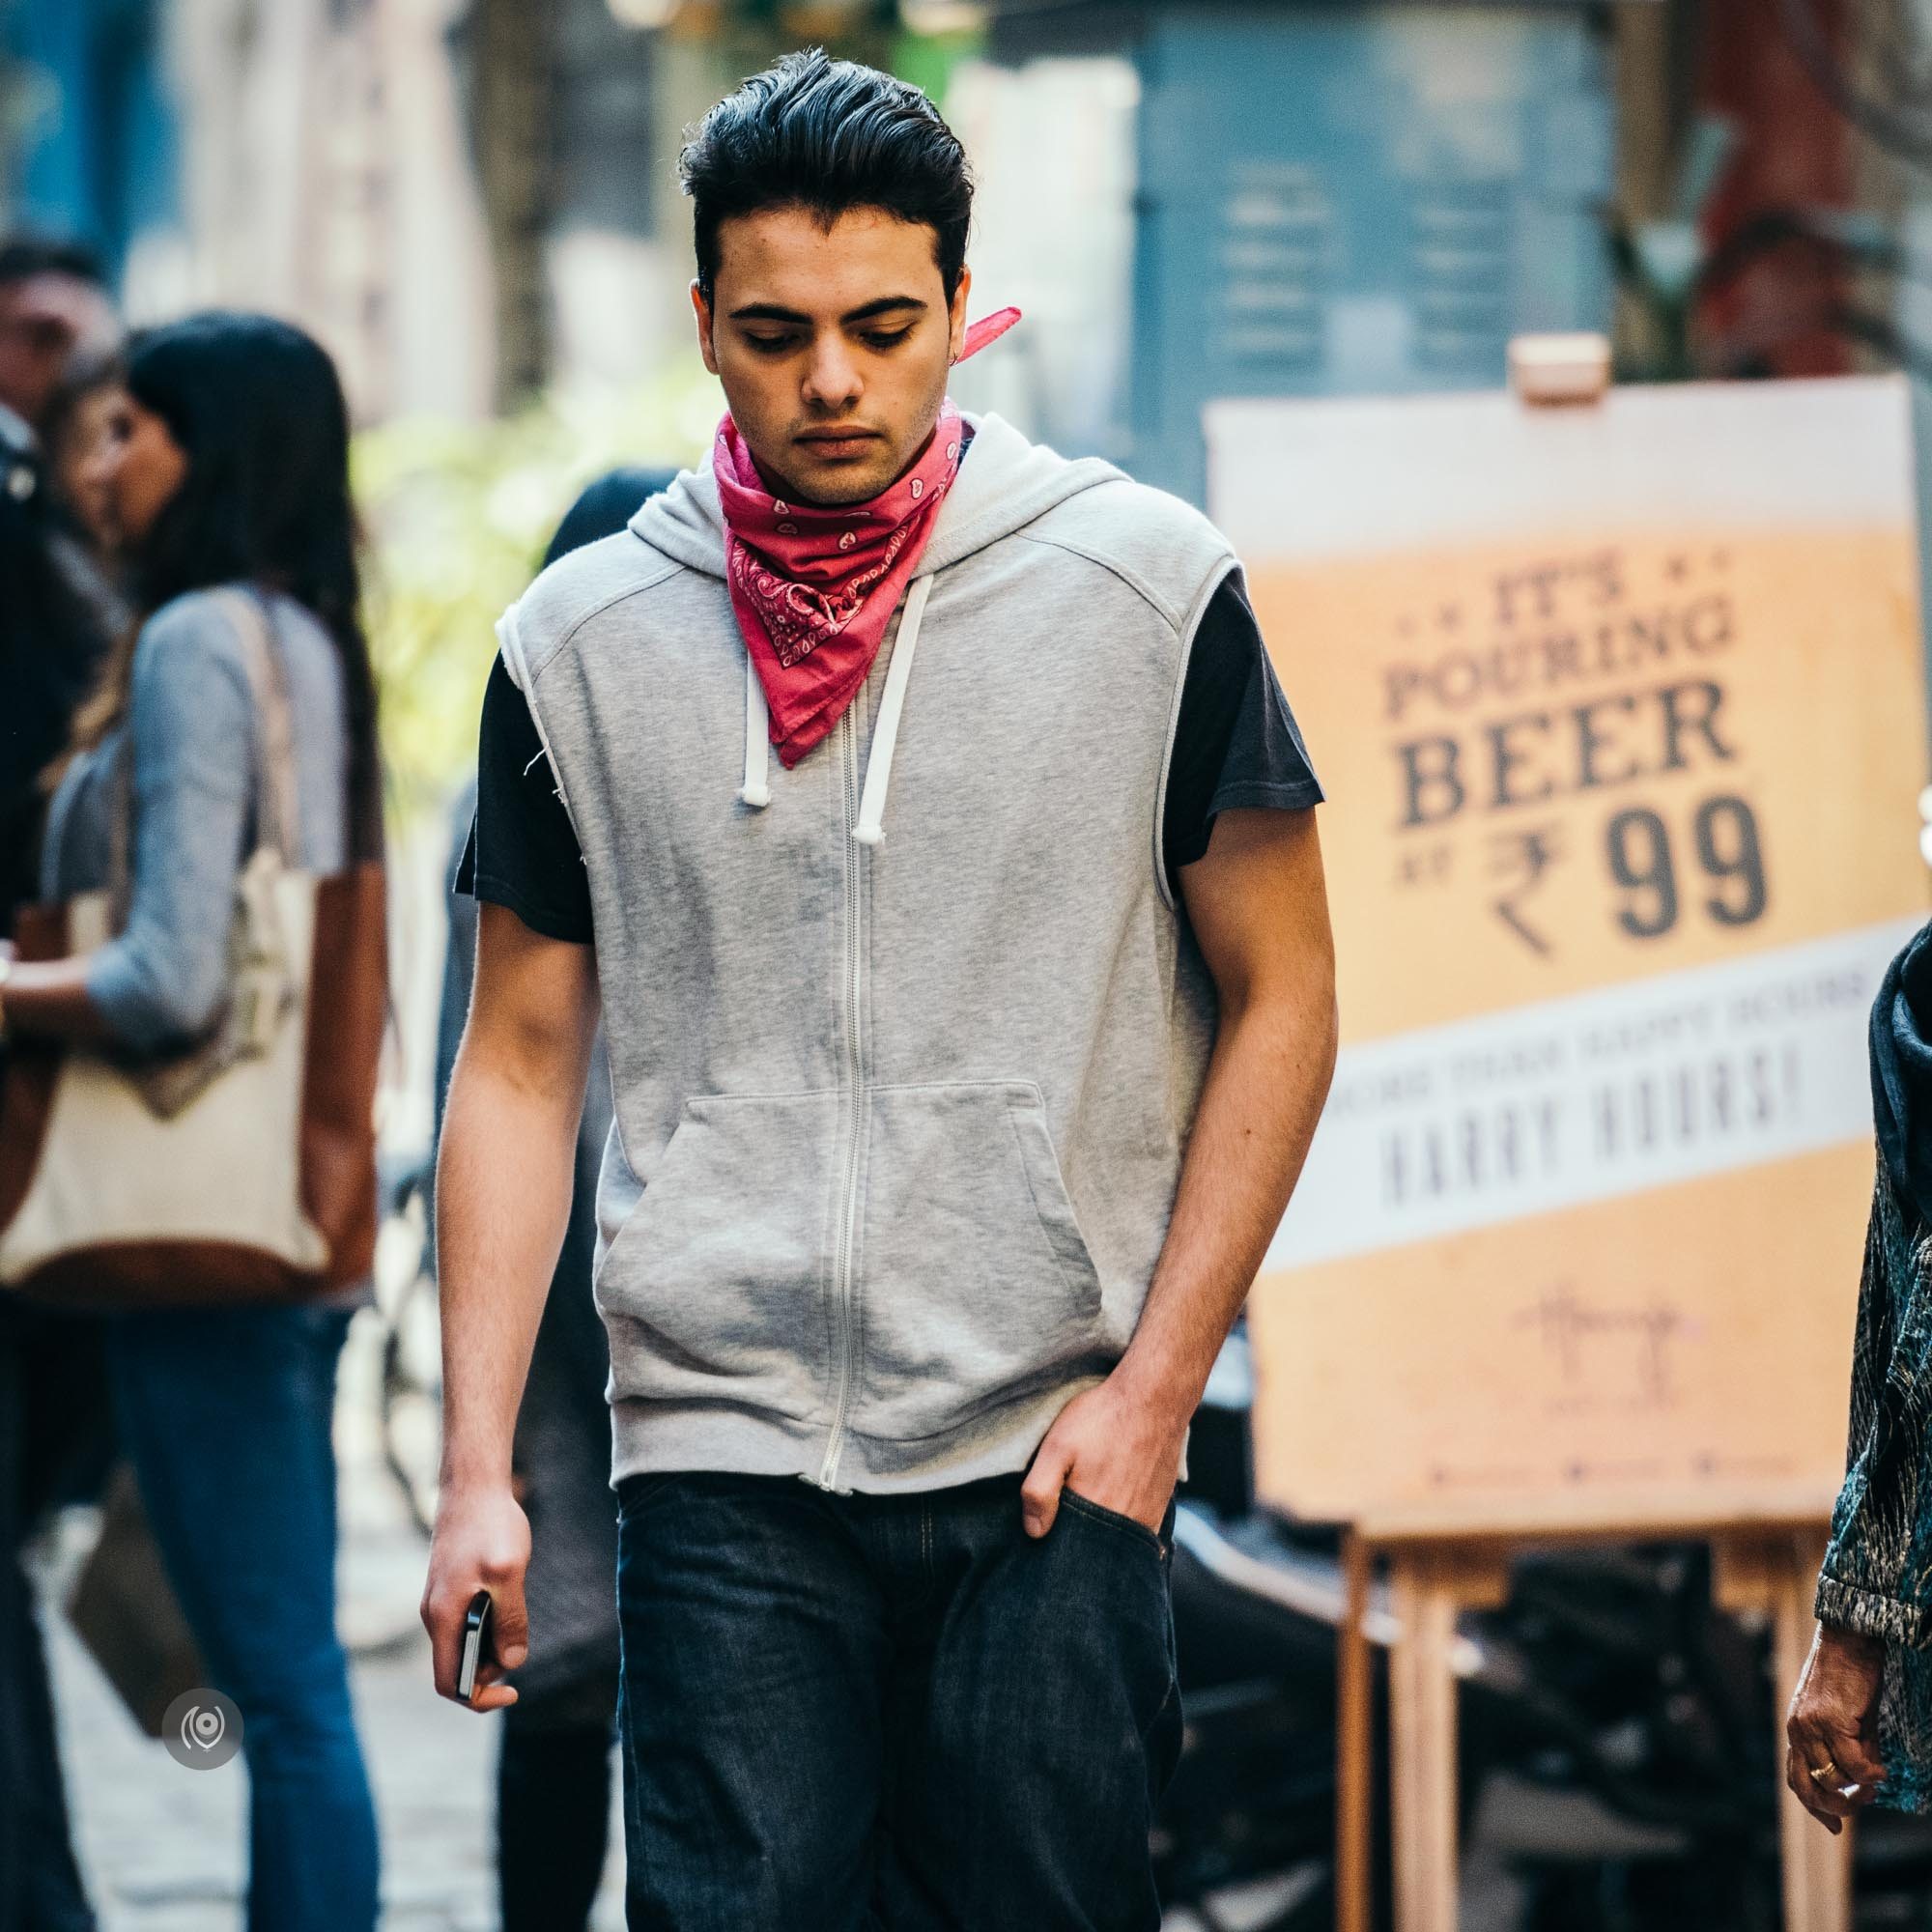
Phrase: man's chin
x=834 y=485
x=840 y=493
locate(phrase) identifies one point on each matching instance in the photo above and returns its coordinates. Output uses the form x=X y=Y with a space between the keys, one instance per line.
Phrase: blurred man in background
x=54 y=1436
x=53 y=304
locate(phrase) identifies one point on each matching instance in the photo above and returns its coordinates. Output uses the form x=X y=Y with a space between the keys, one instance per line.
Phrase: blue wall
x=1350 y=199
x=93 y=155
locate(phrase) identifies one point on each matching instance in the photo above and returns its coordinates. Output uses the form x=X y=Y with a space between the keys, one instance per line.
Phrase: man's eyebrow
x=883 y=306
x=868 y=311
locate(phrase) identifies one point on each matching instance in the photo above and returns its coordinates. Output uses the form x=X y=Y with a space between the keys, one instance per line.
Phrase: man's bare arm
x=1260 y=909
x=503 y=1187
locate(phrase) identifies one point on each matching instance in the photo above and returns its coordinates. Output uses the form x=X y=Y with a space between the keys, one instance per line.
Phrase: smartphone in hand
x=477 y=1648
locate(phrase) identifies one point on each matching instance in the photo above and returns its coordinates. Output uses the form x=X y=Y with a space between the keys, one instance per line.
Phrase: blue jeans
x=226 y=1413
x=857 y=1712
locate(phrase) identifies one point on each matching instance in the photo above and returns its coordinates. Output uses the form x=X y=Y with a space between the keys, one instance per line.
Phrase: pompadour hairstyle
x=827 y=135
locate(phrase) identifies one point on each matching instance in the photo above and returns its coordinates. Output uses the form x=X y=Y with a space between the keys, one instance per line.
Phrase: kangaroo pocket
x=977 y=1287
x=715 y=1286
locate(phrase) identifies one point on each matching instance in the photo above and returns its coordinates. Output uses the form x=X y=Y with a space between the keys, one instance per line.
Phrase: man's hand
x=482 y=1542
x=1113 y=1445
x=1834 y=1725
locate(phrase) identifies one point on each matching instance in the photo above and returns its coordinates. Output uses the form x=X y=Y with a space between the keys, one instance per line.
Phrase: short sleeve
x=522 y=851
x=1237 y=741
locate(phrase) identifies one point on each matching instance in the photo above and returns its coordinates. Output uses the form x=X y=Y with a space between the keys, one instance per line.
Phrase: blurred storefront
x=475 y=200
x=88 y=122
x=1331 y=199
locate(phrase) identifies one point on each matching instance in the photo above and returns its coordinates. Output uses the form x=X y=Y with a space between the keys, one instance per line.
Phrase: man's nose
x=831 y=377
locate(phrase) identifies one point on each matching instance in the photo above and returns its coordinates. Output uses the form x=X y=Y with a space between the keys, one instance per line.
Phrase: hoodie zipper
x=842 y=1272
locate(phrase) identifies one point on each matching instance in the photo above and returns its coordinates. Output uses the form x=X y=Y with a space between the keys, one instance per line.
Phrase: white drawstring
x=754 y=791
x=757 y=793
x=879 y=766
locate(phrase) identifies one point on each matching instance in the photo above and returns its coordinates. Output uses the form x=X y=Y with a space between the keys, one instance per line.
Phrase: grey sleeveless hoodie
x=906 y=1041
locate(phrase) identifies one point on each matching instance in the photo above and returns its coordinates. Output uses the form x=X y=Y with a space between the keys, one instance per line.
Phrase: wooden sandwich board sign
x=1621 y=712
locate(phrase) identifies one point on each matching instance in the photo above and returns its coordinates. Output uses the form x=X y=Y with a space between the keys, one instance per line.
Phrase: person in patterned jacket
x=1860 y=1727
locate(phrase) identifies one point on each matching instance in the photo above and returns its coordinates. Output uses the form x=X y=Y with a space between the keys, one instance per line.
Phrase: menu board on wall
x=1621 y=712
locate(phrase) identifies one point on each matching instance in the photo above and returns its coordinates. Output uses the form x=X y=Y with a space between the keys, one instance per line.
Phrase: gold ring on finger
x=1827 y=1773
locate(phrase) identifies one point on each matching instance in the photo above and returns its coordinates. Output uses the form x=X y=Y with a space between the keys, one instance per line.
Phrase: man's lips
x=838 y=443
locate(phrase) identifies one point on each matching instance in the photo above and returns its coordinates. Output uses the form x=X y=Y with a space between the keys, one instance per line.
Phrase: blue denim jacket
x=191 y=732
x=1877 y=1573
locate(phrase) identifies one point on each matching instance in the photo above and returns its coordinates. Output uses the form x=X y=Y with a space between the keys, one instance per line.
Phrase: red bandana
x=815 y=589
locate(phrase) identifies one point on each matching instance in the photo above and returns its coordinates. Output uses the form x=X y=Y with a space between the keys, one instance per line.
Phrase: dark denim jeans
x=900 y=1712
x=226 y=1413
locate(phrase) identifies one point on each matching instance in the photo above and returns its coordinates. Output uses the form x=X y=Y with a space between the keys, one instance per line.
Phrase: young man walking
x=924 y=813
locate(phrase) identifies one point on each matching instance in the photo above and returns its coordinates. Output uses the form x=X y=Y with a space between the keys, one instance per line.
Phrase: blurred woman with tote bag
x=186 y=1138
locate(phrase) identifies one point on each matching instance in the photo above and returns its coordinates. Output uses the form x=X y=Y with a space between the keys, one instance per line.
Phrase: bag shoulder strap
x=120 y=830
x=277 y=796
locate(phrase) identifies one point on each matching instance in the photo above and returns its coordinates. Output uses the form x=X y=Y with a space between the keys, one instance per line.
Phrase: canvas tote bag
x=245 y=1168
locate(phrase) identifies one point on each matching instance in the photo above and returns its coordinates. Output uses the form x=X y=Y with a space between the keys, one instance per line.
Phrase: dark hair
x=257 y=408
x=25 y=256
x=827 y=135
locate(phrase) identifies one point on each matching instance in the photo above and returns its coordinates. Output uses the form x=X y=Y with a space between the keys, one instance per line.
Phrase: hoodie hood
x=1002 y=485
x=1005 y=483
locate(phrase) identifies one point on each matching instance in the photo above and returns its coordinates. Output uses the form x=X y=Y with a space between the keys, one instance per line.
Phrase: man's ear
x=702 y=310
x=956 y=314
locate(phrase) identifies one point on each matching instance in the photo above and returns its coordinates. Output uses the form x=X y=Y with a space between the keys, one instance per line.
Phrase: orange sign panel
x=1621 y=712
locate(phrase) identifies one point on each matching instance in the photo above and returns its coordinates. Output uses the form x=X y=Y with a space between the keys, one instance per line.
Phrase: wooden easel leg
x=1817 y=1866
x=1422 y=1722
x=1775 y=1575
x=1355 y=1744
